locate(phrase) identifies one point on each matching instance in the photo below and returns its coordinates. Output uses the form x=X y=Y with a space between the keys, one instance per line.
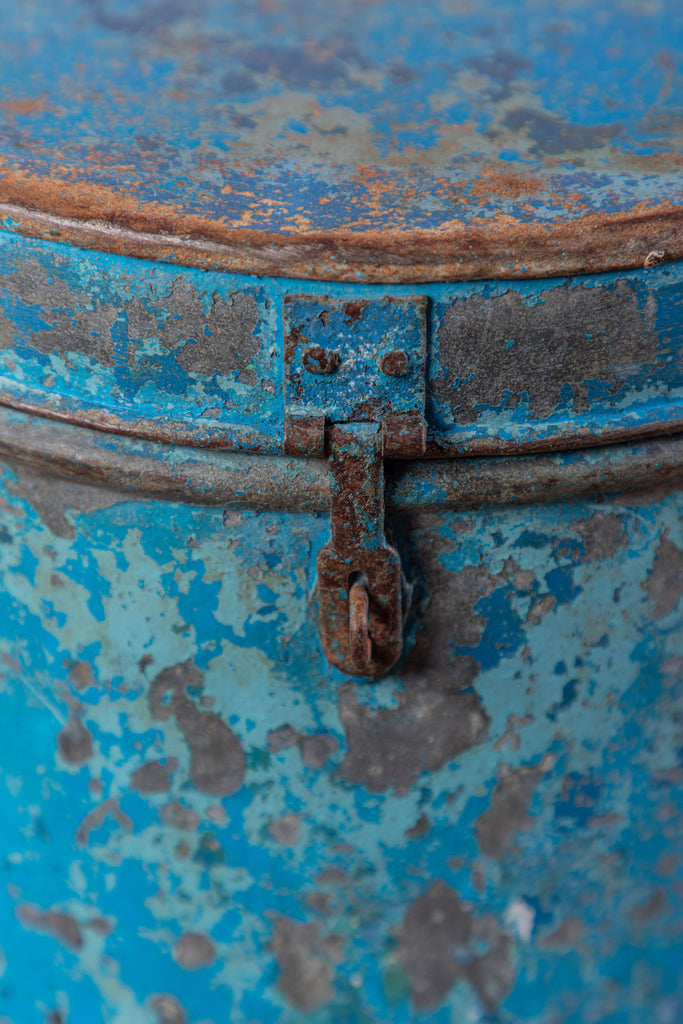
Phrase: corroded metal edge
x=163 y=472
x=611 y=432
x=500 y=249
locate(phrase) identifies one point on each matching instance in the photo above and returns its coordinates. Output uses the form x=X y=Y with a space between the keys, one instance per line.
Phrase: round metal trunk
x=341 y=538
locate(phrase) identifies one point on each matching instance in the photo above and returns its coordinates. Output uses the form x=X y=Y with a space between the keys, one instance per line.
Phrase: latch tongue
x=355 y=391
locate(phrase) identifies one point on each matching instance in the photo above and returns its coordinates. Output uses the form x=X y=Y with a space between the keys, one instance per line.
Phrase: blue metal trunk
x=341 y=533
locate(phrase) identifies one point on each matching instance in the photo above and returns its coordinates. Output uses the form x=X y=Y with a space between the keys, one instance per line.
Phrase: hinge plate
x=355 y=362
x=355 y=391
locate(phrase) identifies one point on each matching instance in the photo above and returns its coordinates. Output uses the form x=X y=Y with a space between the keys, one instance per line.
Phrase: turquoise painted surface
x=198 y=356
x=203 y=824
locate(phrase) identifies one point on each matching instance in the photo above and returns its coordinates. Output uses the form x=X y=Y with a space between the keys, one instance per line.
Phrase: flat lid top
x=355 y=139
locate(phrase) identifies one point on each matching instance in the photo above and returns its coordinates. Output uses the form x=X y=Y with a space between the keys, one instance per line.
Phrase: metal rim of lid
x=503 y=144
x=153 y=470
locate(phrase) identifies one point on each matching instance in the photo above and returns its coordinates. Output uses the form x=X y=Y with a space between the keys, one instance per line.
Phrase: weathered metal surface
x=356 y=141
x=197 y=357
x=156 y=471
x=203 y=823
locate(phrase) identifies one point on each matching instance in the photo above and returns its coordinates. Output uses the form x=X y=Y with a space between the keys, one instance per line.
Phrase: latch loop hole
x=359 y=621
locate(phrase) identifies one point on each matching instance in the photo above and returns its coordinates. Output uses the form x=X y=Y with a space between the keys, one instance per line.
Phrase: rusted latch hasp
x=355 y=391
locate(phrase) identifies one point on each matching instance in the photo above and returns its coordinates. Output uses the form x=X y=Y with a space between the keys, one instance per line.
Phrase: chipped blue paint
x=349 y=116
x=197 y=356
x=491 y=833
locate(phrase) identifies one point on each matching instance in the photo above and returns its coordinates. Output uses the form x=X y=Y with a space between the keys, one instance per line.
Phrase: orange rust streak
x=98 y=217
x=24 y=106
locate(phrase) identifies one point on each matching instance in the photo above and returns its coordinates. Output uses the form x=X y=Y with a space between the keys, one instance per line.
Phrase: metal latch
x=355 y=392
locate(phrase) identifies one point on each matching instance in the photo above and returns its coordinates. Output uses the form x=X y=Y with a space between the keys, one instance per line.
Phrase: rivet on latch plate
x=365 y=404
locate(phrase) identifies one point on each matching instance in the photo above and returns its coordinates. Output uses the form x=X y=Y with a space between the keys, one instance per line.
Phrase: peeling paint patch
x=442 y=942
x=217 y=765
x=62 y=926
x=306 y=963
x=508 y=813
x=194 y=951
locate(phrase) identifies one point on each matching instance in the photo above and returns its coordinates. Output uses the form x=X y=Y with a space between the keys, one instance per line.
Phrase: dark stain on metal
x=553 y=135
x=433 y=723
x=285 y=830
x=500 y=69
x=154 y=776
x=508 y=813
x=167 y=1009
x=665 y=583
x=53 y=498
x=62 y=927
x=500 y=351
x=217 y=760
x=193 y=951
x=655 y=906
x=565 y=936
x=177 y=815
x=442 y=942
x=603 y=534
x=224 y=341
x=81 y=675
x=75 y=741
x=315 y=748
x=306 y=963
x=73 y=322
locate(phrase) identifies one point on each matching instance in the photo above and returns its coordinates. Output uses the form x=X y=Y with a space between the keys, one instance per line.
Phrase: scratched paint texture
x=203 y=824
x=355 y=141
x=196 y=356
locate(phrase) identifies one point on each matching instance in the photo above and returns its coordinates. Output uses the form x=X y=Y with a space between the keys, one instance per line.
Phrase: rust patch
x=27 y=106
x=420 y=829
x=508 y=811
x=664 y=585
x=193 y=950
x=74 y=741
x=306 y=962
x=217 y=760
x=97 y=217
x=61 y=926
x=442 y=942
